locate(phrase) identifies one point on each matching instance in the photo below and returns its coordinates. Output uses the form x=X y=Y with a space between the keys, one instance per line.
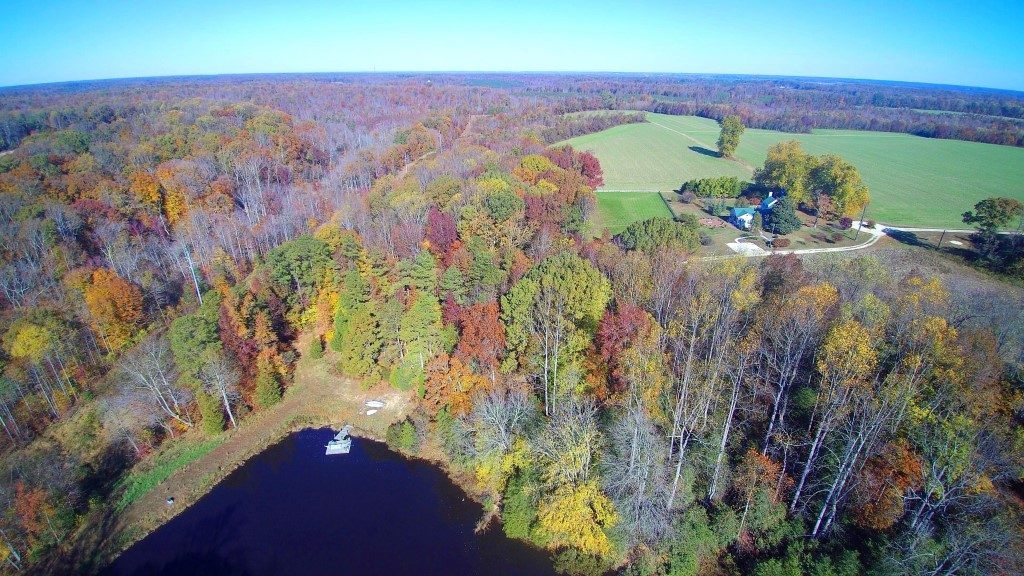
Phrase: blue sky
x=976 y=43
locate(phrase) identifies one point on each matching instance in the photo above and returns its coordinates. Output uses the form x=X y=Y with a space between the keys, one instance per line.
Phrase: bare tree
x=124 y=415
x=636 y=476
x=150 y=370
x=220 y=377
x=569 y=444
x=498 y=418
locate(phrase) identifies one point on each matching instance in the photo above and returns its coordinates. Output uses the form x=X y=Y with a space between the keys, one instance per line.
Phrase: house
x=743 y=217
x=767 y=203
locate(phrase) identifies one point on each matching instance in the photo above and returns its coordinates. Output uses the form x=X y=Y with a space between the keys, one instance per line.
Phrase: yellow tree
x=787 y=167
x=115 y=307
x=578 y=517
x=790 y=331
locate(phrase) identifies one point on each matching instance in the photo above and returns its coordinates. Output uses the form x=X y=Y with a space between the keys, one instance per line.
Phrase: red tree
x=483 y=336
x=590 y=167
x=616 y=331
x=441 y=231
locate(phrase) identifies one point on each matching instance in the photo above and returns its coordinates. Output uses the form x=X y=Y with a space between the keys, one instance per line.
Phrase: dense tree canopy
x=619 y=402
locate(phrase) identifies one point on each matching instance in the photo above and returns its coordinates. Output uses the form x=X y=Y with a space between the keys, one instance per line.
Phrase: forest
x=614 y=400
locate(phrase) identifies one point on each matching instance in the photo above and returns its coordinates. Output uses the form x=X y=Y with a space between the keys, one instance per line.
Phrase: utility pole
x=939 y=247
x=861 y=225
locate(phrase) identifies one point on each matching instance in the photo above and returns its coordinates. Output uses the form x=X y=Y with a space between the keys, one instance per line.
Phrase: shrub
x=687 y=219
x=687 y=197
x=573 y=562
x=870 y=223
x=720 y=187
x=316 y=348
x=846 y=222
x=837 y=236
x=705 y=240
x=780 y=242
x=403 y=436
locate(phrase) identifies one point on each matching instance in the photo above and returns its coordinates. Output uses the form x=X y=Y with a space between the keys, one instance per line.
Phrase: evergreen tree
x=781 y=219
x=419 y=272
x=211 y=413
x=354 y=292
x=268 y=389
x=362 y=343
x=454 y=283
x=420 y=332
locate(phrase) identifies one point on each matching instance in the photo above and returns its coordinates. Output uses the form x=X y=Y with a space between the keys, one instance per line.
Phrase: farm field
x=616 y=210
x=914 y=181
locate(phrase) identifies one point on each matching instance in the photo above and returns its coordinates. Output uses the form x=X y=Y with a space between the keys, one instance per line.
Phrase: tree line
x=800 y=105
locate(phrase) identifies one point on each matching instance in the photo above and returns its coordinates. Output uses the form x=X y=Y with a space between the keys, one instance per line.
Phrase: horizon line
x=4 y=87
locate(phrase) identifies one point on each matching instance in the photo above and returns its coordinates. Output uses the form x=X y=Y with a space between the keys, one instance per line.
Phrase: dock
x=341 y=443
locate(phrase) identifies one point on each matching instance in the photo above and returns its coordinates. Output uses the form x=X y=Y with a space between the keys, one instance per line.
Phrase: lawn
x=137 y=484
x=914 y=181
x=616 y=210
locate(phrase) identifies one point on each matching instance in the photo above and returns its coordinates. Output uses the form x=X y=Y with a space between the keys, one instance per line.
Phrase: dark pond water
x=291 y=510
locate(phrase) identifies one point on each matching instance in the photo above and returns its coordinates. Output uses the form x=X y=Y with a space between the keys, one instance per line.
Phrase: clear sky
x=975 y=43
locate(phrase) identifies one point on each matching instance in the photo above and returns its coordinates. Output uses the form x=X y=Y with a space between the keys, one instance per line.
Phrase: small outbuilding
x=742 y=217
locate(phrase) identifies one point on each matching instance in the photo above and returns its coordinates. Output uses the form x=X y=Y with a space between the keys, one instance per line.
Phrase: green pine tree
x=453 y=282
x=268 y=389
x=781 y=219
x=354 y=292
x=362 y=344
x=211 y=413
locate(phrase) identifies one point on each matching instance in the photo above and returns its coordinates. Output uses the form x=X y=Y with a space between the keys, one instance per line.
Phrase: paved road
x=874 y=235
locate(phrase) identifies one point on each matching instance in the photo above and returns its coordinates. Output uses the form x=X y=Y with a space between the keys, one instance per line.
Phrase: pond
x=293 y=510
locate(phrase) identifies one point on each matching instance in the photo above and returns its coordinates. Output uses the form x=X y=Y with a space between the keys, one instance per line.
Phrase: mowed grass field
x=914 y=181
x=616 y=210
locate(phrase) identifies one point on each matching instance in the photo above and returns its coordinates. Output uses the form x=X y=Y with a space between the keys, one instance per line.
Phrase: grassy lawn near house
x=616 y=210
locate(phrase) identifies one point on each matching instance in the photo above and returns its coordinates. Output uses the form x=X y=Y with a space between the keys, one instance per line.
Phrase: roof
x=736 y=211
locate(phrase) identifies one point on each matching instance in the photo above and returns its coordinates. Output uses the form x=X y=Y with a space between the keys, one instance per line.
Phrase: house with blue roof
x=743 y=217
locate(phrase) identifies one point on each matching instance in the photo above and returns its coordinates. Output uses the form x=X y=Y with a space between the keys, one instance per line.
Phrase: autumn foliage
x=115 y=306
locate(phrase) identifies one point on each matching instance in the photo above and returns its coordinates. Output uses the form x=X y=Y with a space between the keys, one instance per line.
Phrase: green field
x=914 y=181
x=616 y=210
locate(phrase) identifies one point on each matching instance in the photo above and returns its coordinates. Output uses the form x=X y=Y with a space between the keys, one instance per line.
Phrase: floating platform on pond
x=341 y=443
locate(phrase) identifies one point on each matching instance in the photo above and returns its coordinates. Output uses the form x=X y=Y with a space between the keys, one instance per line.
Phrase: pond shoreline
x=351 y=509
x=319 y=398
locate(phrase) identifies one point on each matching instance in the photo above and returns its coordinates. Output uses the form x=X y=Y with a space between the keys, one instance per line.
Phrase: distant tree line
x=569 y=126
x=795 y=105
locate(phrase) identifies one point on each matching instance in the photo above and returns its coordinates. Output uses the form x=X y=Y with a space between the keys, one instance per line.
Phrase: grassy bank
x=138 y=484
